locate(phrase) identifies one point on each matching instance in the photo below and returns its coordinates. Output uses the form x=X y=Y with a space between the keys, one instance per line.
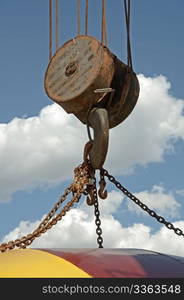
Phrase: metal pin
x=105 y=90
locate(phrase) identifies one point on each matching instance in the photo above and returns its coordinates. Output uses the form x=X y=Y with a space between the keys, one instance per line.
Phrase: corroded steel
x=75 y=71
x=81 y=70
x=82 y=177
x=126 y=86
x=123 y=96
x=98 y=120
x=102 y=193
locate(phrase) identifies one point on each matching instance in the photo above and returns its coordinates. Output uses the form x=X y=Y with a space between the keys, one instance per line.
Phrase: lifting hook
x=98 y=120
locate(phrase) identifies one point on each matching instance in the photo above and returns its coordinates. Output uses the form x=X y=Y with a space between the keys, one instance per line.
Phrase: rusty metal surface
x=98 y=120
x=126 y=86
x=86 y=79
x=121 y=102
x=83 y=174
x=75 y=71
x=83 y=66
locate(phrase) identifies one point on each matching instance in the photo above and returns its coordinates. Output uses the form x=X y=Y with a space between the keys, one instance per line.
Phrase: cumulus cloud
x=151 y=130
x=77 y=230
x=157 y=199
x=44 y=149
x=40 y=150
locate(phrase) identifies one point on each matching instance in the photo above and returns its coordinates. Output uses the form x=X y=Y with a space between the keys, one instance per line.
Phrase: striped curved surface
x=89 y=263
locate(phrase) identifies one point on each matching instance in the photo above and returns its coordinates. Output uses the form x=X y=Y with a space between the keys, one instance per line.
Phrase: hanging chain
x=84 y=183
x=92 y=197
x=77 y=188
x=152 y=213
x=44 y=225
x=98 y=222
x=102 y=192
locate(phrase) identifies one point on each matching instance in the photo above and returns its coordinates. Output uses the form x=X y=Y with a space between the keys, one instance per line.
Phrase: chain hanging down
x=82 y=177
x=92 y=199
x=84 y=183
x=152 y=213
x=92 y=195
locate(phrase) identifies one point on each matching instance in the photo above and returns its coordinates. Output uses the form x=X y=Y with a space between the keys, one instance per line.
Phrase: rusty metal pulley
x=80 y=68
x=83 y=75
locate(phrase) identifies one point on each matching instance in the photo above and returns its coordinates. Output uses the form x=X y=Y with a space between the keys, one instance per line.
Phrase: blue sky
x=145 y=152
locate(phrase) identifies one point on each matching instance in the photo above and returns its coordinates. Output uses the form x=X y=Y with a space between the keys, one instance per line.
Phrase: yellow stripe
x=32 y=263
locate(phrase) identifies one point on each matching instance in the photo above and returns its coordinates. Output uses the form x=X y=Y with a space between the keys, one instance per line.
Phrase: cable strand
x=127 y=10
x=78 y=16
x=57 y=24
x=50 y=29
x=86 y=18
x=104 y=24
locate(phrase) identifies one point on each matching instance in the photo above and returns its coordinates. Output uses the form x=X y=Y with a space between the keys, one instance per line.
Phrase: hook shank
x=98 y=120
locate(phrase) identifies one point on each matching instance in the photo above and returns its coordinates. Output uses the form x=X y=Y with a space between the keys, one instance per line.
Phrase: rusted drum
x=75 y=71
x=126 y=87
x=79 y=69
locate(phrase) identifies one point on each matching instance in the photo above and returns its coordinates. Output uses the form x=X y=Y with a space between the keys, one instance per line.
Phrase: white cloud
x=77 y=230
x=39 y=151
x=151 y=130
x=43 y=150
x=157 y=199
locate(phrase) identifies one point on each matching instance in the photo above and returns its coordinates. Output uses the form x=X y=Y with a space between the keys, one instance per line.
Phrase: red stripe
x=103 y=262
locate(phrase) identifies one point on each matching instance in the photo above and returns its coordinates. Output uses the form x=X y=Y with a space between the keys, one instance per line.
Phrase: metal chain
x=42 y=228
x=92 y=199
x=152 y=213
x=84 y=183
x=97 y=216
x=78 y=187
x=98 y=223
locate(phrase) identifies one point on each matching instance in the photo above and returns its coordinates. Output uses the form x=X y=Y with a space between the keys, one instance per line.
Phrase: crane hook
x=98 y=120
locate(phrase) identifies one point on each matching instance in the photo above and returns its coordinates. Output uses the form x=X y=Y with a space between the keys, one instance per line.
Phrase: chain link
x=84 y=183
x=97 y=219
x=81 y=180
x=92 y=199
x=98 y=224
x=152 y=213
